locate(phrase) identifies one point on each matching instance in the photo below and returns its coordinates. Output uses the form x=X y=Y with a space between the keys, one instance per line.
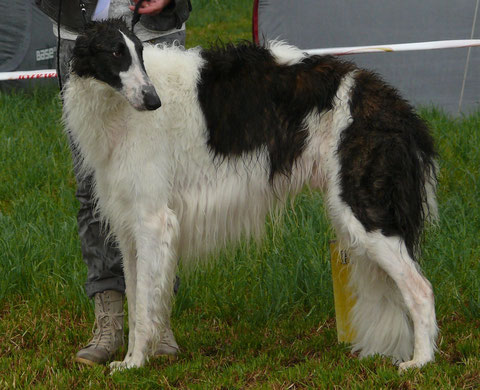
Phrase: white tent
x=26 y=41
x=444 y=78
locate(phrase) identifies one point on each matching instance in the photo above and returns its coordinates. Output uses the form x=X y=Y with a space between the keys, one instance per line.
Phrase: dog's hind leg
x=391 y=254
x=380 y=182
x=391 y=296
x=156 y=240
x=394 y=310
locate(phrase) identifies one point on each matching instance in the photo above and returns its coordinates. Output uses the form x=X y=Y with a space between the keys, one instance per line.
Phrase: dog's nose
x=150 y=98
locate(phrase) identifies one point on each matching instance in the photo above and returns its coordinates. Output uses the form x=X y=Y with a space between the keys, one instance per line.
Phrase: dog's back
x=271 y=109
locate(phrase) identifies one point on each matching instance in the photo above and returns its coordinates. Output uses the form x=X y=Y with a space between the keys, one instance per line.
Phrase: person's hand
x=151 y=7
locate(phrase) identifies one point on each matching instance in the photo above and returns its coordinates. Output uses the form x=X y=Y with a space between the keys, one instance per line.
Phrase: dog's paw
x=123 y=365
x=402 y=367
x=117 y=366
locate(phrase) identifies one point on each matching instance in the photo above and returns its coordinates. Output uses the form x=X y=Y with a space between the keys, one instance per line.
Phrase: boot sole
x=87 y=362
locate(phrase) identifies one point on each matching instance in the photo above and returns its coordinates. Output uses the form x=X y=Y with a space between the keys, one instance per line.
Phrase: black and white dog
x=240 y=128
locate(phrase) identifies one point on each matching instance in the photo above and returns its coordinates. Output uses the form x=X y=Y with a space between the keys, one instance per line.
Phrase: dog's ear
x=82 y=45
x=81 y=55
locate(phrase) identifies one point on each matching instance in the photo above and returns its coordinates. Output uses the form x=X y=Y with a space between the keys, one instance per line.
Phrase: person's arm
x=153 y=7
x=163 y=15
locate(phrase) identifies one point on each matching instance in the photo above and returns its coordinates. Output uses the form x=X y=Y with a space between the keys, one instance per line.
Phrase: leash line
x=83 y=9
x=58 y=44
x=136 y=15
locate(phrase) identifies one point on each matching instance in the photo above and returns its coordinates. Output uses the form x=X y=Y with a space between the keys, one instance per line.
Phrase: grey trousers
x=102 y=257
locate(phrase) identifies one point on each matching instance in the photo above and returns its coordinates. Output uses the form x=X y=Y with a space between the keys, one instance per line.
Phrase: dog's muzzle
x=151 y=100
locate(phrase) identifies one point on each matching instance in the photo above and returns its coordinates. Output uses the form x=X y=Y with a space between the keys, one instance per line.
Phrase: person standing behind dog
x=162 y=21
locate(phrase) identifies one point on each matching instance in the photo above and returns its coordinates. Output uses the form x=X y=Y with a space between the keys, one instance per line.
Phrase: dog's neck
x=94 y=94
x=96 y=110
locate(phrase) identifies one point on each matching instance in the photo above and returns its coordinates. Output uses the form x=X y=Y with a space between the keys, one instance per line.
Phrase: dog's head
x=109 y=52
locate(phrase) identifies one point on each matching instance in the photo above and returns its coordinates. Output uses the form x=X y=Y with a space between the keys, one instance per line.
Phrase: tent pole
x=460 y=101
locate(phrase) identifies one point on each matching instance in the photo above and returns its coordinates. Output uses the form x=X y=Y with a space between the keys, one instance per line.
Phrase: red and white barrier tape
x=29 y=74
x=338 y=51
x=433 y=45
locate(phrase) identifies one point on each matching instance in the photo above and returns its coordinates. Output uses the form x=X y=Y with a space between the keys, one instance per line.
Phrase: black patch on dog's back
x=386 y=154
x=251 y=103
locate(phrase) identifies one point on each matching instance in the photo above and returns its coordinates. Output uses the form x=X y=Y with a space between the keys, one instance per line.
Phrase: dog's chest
x=218 y=201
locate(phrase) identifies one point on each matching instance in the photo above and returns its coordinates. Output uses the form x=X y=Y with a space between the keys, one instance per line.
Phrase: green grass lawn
x=262 y=316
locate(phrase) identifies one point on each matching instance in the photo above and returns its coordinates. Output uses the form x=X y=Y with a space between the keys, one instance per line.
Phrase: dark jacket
x=171 y=17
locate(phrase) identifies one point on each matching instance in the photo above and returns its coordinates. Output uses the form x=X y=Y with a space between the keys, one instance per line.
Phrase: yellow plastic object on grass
x=343 y=296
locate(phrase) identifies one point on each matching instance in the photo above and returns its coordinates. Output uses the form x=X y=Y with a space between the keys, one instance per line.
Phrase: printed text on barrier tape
x=28 y=74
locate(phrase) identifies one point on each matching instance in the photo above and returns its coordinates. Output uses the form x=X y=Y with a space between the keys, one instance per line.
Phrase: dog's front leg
x=156 y=238
x=129 y=255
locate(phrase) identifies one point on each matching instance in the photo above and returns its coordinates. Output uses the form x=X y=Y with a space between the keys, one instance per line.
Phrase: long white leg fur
x=156 y=242
x=129 y=255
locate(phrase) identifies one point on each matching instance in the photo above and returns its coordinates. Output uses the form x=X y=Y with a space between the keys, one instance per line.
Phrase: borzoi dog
x=232 y=132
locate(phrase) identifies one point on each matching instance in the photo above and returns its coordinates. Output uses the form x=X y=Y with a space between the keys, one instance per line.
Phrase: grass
x=227 y=20
x=262 y=317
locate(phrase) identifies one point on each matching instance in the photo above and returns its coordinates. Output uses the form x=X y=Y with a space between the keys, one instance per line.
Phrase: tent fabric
x=26 y=42
x=424 y=77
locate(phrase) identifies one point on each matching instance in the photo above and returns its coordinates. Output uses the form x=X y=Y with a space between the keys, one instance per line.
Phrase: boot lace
x=104 y=330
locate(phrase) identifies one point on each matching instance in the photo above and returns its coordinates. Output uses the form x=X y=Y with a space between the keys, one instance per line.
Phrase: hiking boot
x=168 y=345
x=108 y=329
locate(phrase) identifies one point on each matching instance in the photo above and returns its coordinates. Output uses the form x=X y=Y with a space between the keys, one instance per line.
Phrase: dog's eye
x=117 y=54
